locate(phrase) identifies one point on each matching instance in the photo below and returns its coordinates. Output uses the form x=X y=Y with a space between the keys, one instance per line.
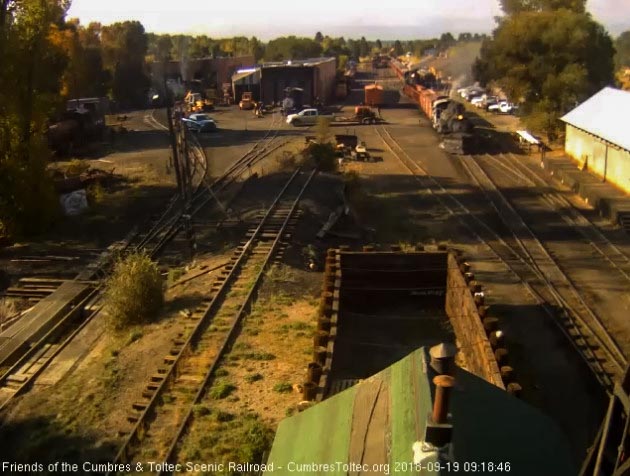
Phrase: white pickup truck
x=307 y=117
x=503 y=107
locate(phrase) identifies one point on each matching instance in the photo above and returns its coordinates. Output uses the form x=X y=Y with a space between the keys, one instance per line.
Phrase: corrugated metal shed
x=377 y=421
x=604 y=115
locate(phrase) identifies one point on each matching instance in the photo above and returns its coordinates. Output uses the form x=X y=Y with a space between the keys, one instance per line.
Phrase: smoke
x=183 y=57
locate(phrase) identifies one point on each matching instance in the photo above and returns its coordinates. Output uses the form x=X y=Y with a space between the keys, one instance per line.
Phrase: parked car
x=472 y=93
x=478 y=100
x=502 y=107
x=200 y=123
x=489 y=101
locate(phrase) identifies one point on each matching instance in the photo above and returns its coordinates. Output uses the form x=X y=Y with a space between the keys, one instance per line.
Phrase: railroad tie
x=140 y=406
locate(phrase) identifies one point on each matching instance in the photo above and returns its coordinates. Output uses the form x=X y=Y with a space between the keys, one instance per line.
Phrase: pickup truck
x=307 y=117
x=503 y=106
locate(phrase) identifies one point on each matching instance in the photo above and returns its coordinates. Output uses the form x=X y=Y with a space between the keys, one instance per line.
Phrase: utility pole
x=172 y=134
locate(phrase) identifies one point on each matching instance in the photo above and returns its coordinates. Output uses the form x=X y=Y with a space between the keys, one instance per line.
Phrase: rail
x=514 y=259
x=147 y=415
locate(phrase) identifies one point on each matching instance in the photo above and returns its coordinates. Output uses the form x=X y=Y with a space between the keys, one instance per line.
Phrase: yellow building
x=598 y=136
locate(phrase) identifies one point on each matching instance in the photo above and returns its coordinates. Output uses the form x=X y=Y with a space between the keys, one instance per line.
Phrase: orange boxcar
x=373 y=95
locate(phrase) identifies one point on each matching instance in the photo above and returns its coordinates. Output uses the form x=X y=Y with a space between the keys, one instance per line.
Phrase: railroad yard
x=244 y=262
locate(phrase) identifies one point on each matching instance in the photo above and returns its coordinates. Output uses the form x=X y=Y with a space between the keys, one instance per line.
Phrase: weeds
x=281 y=274
x=283 y=387
x=7 y=309
x=134 y=292
x=258 y=356
x=201 y=411
x=253 y=378
x=221 y=389
x=76 y=167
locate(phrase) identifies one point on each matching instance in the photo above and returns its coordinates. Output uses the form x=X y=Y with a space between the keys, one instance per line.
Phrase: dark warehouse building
x=316 y=77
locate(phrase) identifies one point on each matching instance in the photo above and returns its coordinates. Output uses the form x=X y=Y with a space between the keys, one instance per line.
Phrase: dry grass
x=135 y=291
x=7 y=309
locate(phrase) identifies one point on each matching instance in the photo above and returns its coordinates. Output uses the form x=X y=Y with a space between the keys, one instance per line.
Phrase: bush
x=76 y=167
x=257 y=441
x=324 y=156
x=221 y=389
x=287 y=161
x=134 y=293
x=29 y=204
x=283 y=387
x=253 y=378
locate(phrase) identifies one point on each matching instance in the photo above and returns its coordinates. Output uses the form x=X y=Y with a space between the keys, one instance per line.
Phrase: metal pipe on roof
x=443 y=387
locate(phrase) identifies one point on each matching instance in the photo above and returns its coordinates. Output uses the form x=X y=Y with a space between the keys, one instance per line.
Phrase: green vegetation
x=221 y=389
x=622 y=47
x=134 y=293
x=251 y=378
x=283 y=387
x=201 y=411
x=258 y=356
x=549 y=55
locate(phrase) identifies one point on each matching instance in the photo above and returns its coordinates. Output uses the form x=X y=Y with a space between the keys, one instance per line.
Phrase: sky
x=349 y=18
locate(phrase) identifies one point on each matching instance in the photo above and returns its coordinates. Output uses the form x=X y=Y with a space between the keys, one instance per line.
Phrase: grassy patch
x=281 y=274
x=283 y=387
x=221 y=389
x=201 y=411
x=258 y=356
x=251 y=378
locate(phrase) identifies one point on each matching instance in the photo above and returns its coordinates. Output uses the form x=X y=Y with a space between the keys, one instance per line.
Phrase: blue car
x=200 y=123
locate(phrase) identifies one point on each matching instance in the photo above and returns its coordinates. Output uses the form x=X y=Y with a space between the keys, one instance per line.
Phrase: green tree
x=549 y=60
x=364 y=48
x=378 y=45
x=353 y=49
x=292 y=47
x=622 y=45
x=32 y=59
x=256 y=48
x=446 y=40
x=125 y=46
x=319 y=37
x=398 y=48
x=512 y=7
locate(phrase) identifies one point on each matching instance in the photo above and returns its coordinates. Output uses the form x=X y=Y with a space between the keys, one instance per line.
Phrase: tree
x=319 y=37
x=33 y=59
x=622 y=45
x=549 y=60
x=378 y=45
x=364 y=48
x=465 y=37
x=124 y=49
x=446 y=40
x=292 y=47
x=398 y=48
x=256 y=48
x=354 y=49
x=512 y=7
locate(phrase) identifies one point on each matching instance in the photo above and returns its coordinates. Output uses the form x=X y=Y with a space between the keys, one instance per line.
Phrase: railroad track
x=165 y=227
x=18 y=378
x=525 y=256
x=591 y=234
x=161 y=418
